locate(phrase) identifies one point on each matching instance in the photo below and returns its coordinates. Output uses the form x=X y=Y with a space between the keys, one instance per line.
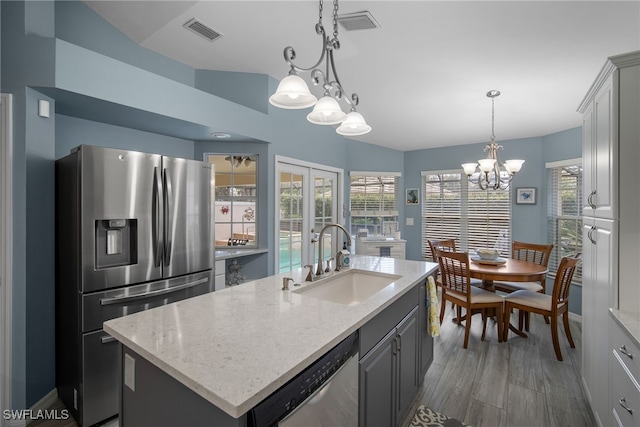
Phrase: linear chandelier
x=293 y=92
x=491 y=176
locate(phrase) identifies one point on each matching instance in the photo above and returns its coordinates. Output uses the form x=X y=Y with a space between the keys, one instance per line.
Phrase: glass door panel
x=306 y=201
x=325 y=202
x=291 y=196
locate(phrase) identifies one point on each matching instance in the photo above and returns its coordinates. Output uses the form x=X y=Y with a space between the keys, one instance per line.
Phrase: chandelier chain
x=493 y=115
x=335 y=19
x=320 y=7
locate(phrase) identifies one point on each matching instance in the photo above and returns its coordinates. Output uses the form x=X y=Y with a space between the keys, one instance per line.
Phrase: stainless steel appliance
x=324 y=394
x=133 y=231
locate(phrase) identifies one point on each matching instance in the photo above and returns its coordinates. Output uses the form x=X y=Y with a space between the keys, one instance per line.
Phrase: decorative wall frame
x=412 y=196
x=526 y=196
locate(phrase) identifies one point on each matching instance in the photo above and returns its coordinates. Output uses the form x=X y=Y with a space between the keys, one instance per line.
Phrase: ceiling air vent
x=202 y=30
x=358 y=21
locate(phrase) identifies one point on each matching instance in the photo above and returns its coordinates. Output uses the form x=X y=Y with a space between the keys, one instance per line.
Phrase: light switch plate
x=130 y=372
x=409 y=221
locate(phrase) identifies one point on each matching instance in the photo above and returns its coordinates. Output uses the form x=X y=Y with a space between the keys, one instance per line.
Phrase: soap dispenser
x=344 y=256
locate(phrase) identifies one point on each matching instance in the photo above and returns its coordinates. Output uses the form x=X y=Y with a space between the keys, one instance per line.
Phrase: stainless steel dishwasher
x=324 y=394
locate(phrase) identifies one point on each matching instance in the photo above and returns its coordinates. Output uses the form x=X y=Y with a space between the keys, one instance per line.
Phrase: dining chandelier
x=491 y=176
x=293 y=92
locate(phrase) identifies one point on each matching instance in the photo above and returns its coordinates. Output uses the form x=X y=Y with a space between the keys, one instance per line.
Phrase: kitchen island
x=231 y=349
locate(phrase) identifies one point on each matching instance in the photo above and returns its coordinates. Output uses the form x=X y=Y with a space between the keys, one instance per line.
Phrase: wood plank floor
x=514 y=384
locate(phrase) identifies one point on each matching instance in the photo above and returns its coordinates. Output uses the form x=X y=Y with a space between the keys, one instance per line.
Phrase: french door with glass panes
x=306 y=200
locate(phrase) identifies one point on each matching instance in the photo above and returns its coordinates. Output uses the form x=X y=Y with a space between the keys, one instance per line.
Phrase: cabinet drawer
x=624 y=394
x=627 y=350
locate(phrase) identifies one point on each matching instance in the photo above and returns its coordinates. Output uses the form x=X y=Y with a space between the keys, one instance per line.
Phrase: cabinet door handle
x=396 y=346
x=107 y=339
x=589 y=234
x=589 y=201
x=399 y=338
x=623 y=350
x=623 y=403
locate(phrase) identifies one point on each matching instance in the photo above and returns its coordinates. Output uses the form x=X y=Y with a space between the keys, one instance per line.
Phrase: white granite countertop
x=236 y=346
x=629 y=321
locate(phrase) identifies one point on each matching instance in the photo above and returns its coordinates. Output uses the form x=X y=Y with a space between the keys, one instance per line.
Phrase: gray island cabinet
x=210 y=359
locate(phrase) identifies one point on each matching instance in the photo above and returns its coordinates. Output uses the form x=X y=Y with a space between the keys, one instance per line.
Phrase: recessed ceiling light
x=220 y=135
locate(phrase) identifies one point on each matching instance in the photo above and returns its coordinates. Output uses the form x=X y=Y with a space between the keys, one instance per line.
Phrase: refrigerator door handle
x=127 y=298
x=168 y=216
x=156 y=208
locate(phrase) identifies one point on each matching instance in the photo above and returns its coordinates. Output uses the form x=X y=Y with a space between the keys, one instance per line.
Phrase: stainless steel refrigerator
x=133 y=231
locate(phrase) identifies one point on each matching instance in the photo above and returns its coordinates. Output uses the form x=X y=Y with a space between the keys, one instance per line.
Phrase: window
x=235 y=199
x=374 y=203
x=455 y=209
x=564 y=219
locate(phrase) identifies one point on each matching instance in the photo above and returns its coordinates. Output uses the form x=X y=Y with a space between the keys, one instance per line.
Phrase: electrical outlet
x=130 y=372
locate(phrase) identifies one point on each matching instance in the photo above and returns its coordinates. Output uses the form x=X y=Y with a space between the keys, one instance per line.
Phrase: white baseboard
x=575 y=317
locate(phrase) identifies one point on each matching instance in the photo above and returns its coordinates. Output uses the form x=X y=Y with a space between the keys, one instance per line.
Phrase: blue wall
x=72 y=131
x=97 y=106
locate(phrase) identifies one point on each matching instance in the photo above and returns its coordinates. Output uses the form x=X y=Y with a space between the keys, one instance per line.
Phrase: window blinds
x=564 y=217
x=454 y=209
x=374 y=203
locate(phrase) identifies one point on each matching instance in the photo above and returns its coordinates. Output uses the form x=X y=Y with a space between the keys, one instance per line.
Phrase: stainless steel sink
x=350 y=287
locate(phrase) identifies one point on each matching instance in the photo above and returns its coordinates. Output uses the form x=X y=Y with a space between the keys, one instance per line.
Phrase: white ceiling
x=423 y=75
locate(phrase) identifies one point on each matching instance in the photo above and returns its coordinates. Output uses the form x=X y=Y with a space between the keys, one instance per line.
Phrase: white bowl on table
x=488 y=254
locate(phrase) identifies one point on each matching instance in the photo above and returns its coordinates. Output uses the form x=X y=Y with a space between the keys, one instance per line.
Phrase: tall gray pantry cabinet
x=611 y=226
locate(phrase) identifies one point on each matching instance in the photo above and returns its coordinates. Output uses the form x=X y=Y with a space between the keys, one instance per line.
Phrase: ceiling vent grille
x=358 y=21
x=202 y=30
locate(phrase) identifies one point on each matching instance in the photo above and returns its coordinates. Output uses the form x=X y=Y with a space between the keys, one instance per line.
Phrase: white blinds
x=374 y=203
x=453 y=208
x=564 y=217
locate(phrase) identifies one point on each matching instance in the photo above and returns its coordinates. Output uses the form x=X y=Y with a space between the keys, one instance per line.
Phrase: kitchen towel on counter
x=434 y=319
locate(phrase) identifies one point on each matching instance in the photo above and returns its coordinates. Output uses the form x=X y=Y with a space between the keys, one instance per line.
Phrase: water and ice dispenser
x=116 y=242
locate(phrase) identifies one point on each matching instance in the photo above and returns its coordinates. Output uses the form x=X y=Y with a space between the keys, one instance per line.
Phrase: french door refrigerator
x=133 y=231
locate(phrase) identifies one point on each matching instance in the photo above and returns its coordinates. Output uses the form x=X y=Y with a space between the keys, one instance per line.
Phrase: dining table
x=505 y=270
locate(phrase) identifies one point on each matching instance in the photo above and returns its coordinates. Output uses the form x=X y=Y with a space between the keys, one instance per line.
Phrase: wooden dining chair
x=530 y=252
x=457 y=289
x=552 y=305
x=448 y=245
x=442 y=244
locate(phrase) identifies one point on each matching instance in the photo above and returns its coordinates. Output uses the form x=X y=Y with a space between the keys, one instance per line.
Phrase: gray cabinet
x=389 y=375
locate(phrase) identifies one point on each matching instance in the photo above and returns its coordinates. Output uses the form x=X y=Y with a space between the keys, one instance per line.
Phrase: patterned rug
x=426 y=417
